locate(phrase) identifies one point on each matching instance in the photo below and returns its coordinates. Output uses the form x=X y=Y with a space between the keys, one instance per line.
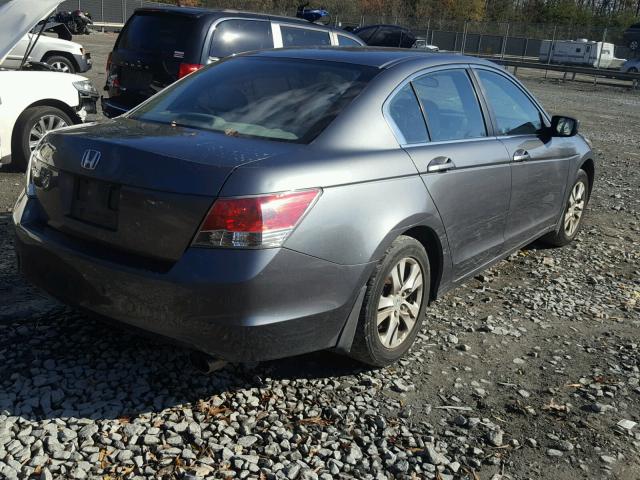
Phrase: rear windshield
x=157 y=33
x=288 y=100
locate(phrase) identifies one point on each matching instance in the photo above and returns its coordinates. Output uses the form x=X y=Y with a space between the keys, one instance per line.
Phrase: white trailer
x=578 y=52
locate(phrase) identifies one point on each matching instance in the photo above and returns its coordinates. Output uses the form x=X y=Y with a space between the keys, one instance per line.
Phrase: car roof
x=198 y=12
x=379 y=57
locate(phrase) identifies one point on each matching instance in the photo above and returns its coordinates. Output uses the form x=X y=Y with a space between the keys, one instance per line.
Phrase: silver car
x=293 y=200
x=631 y=66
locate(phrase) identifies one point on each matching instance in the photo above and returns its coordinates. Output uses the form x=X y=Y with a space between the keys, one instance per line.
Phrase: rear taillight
x=187 y=68
x=254 y=222
x=109 y=62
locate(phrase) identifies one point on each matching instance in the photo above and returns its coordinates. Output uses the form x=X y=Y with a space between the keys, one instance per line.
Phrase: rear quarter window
x=348 y=42
x=303 y=37
x=165 y=34
x=237 y=36
x=366 y=33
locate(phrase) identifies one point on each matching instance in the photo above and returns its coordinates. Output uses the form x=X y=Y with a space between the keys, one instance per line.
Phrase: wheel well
x=49 y=102
x=67 y=55
x=431 y=243
x=589 y=167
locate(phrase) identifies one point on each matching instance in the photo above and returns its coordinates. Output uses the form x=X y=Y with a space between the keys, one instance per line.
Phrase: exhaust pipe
x=206 y=363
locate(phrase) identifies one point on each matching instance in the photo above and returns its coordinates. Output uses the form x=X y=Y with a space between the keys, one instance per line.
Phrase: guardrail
x=102 y=25
x=572 y=69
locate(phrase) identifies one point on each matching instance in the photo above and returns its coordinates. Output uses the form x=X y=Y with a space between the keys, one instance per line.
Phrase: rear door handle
x=521 y=155
x=440 y=164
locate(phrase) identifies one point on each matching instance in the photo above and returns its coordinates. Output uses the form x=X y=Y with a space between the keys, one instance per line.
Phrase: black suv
x=631 y=37
x=386 y=36
x=159 y=45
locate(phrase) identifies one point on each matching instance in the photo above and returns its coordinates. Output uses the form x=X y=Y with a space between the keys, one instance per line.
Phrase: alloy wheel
x=44 y=125
x=575 y=209
x=400 y=302
x=60 y=67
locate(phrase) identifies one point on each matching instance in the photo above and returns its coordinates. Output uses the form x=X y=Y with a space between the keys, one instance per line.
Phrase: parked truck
x=578 y=52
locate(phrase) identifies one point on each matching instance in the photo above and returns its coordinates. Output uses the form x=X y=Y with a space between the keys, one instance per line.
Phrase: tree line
x=586 y=13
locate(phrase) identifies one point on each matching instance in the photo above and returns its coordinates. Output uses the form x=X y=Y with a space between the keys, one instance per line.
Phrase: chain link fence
x=474 y=38
x=107 y=11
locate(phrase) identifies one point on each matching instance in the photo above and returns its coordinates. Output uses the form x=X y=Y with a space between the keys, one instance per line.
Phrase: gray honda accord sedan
x=294 y=200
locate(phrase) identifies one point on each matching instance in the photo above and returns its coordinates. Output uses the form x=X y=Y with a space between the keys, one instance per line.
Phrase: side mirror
x=563 y=126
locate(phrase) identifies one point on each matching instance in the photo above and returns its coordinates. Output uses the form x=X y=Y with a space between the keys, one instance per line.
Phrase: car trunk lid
x=139 y=187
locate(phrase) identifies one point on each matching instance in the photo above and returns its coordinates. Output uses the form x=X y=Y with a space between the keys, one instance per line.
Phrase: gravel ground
x=530 y=370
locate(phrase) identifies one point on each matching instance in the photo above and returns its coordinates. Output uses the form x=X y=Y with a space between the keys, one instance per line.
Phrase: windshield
x=280 y=99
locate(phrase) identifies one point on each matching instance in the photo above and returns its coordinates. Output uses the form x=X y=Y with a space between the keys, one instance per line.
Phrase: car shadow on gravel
x=68 y=365
x=59 y=362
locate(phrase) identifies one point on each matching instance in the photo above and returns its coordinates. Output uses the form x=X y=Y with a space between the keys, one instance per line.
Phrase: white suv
x=60 y=54
x=34 y=102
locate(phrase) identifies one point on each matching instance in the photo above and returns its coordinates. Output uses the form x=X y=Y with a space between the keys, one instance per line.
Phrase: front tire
x=573 y=213
x=60 y=64
x=394 y=304
x=30 y=127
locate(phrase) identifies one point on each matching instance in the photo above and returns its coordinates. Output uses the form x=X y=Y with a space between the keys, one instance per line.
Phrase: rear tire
x=572 y=214
x=32 y=124
x=394 y=304
x=60 y=64
x=633 y=45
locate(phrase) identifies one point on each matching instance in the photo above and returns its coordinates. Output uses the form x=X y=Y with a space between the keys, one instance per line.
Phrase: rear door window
x=451 y=105
x=237 y=36
x=303 y=37
x=165 y=34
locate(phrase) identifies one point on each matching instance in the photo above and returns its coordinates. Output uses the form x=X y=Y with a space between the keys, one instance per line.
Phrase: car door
x=464 y=168
x=539 y=162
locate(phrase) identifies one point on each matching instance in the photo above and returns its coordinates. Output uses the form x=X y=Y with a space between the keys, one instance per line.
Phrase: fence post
x=604 y=37
x=426 y=38
x=551 y=49
x=102 y=13
x=124 y=10
x=505 y=39
x=464 y=37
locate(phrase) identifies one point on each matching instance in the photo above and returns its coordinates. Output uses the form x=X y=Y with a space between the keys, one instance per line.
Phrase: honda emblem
x=90 y=159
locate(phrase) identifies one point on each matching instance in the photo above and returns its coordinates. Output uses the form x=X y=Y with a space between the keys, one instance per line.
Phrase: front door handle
x=521 y=155
x=440 y=164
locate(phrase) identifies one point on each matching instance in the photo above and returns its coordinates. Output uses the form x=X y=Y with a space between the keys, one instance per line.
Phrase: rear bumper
x=241 y=305
x=117 y=105
x=111 y=108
